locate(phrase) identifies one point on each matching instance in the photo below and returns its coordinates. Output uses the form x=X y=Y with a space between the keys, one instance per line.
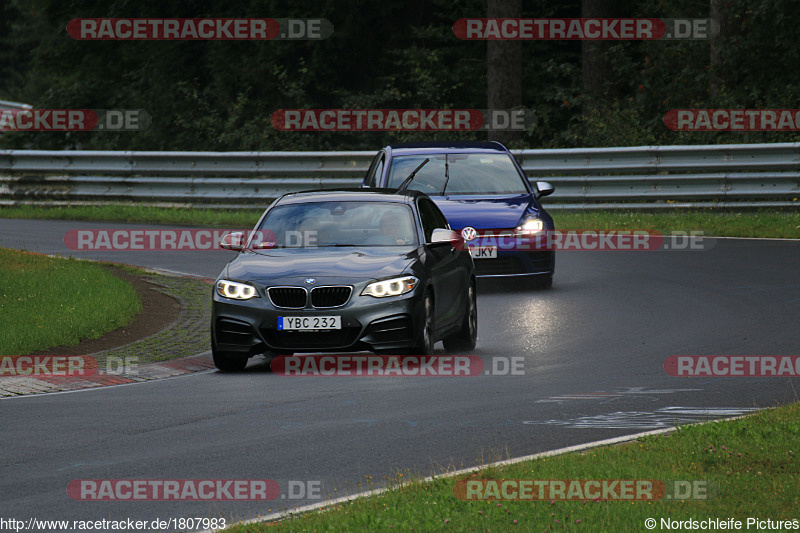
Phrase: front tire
x=467 y=337
x=228 y=362
x=425 y=342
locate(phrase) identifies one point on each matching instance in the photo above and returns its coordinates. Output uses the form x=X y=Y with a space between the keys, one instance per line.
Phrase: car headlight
x=236 y=291
x=390 y=287
x=529 y=227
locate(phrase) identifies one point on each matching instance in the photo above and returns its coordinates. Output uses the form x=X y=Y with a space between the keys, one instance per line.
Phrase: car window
x=431 y=217
x=469 y=174
x=438 y=217
x=378 y=172
x=375 y=170
x=429 y=179
x=346 y=223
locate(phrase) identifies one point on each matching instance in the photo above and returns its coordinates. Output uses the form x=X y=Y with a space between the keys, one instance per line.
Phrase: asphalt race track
x=593 y=347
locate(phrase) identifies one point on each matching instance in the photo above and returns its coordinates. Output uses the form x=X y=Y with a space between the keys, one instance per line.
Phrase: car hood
x=483 y=212
x=327 y=264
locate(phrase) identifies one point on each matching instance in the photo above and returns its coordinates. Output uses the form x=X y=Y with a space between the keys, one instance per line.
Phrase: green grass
x=46 y=302
x=751 y=463
x=719 y=222
x=232 y=218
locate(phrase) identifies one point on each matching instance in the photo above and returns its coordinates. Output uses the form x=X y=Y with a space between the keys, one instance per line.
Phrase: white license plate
x=309 y=323
x=483 y=252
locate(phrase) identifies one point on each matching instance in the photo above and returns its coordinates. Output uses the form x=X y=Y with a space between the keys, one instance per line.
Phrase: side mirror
x=232 y=241
x=442 y=235
x=544 y=188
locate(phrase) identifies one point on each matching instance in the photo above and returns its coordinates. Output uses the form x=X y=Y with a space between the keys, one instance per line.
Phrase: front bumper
x=250 y=327
x=516 y=264
x=515 y=257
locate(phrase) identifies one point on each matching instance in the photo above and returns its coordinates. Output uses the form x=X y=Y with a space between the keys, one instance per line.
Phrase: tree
x=504 y=68
x=598 y=84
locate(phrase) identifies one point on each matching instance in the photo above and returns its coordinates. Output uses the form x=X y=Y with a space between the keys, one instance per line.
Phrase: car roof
x=351 y=195
x=434 y=147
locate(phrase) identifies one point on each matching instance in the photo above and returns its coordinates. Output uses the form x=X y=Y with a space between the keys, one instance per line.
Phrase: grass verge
x=233 y=218
x=187 y=335
x=718 y=222
x=752 y=464
x=47 y=302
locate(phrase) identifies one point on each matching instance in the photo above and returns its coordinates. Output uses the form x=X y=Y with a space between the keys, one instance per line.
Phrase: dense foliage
x=219 y=95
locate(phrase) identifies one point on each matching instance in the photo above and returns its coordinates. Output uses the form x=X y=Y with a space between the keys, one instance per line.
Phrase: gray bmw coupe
x=343 y=271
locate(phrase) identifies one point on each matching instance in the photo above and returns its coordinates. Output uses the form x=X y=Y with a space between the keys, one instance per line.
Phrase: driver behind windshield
x=393 y=230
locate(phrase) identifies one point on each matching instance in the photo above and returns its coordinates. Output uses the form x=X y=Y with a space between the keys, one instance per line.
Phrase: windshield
x=469 y=174
x=316 y=224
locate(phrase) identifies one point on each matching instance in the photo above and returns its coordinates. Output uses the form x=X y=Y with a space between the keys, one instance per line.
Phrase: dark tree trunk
x=719 y=27
x=504 y=68
x=595 y=68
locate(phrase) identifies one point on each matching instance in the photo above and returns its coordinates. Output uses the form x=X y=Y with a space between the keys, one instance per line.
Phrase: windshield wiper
x=410 y=177
x=446 y=174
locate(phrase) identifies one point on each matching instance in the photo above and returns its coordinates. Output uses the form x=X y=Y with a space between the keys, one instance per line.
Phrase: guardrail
x=5 y=104
x=742 y=175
